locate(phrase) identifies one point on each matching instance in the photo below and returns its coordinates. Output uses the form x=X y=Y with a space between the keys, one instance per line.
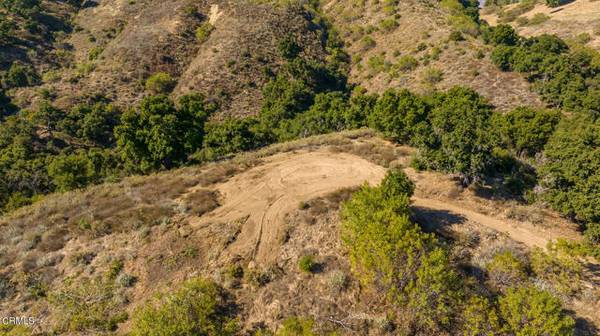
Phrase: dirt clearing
x=267 y=193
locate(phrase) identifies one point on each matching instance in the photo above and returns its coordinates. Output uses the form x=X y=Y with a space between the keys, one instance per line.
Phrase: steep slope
x=118 y=44
x=409 y=44
x=261 y=212
x=579 y=19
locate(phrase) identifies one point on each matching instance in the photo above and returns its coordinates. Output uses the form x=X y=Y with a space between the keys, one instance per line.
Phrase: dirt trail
x=518 y=231
x=268 y=192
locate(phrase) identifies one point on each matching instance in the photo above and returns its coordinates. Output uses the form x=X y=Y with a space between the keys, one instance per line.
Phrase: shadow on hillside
x=435 y=220
x=584 y=327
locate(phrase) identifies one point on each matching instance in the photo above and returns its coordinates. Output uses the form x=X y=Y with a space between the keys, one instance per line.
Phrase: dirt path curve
x=267 y=193
x=518 y=231
x=270 y=191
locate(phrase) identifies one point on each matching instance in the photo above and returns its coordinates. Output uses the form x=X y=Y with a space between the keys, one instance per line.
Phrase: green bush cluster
x=570 y=172
x=389 y=252
x=198 y=307
x=412 y=270
x=565 y=77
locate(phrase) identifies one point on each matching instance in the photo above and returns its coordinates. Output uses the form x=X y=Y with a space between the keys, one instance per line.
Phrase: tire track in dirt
x=268 y=192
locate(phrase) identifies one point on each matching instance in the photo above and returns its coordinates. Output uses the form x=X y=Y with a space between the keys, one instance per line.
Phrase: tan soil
x=268 y=192
x=265 y=194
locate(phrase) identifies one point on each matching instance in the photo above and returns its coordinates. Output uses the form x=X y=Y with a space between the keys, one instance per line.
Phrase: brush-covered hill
x=577 y=20
x=223 y=49
x=262 y=237
x=261 y=168
x=422 y=45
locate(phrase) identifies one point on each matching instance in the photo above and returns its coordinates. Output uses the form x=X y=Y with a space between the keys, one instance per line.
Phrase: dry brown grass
x=422 y=34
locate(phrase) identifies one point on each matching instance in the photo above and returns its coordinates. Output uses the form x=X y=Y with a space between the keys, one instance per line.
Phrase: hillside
x=577 y=20
x=409 y=44
x=297 y=168
x=114 y=46
x=260 y=212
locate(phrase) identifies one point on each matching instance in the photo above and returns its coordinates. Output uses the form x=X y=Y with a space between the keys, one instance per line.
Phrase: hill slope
x=408 y=44
x=261 y=212
x=579 y=19
x=116 y=45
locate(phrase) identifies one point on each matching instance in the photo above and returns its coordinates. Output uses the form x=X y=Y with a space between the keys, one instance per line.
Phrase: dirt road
x=270 y=191
x=265 y=194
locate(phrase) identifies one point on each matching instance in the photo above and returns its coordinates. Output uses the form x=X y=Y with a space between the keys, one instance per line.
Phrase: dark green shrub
x=400 y=115
x=461 y=141
x=159 y=135
x=160 y=83
x=570 y=172
x=456 y=36
x=307 y=264
x=289 y=48
x=230 y=136
x=526 y=130
x=503 y=34
x=19 y=75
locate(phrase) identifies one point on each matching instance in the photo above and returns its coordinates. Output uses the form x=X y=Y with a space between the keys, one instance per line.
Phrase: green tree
x=93 y=123
x=528 y=311
x=230 y=136
x=160 y=136
x=461 y=140
x=526 y=130
x=570 y=172
x=199 y=307
x=400 y=115
x=389 y=252
x=503 y=34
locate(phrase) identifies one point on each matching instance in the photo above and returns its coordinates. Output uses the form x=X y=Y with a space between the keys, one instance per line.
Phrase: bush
x=289 y=48
x=230 y=136
x=505 y=270
x=160 y=83
x=89 y=305
x=198 y=307
x=562 y=271
x=307 y=264
x=460 y=141
x=406 y=63
x=526 y=130
x=533 y=312
x=19 y=75
x=503 y=34
x=400 y=115
x=6 y=107
x=159 y=135
x=481 y=318
x=456 y=36
x=554 y=3
x=570 y=172
x=432 y=76
x=203 y=32
x=389 y=252
x=294 y=326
